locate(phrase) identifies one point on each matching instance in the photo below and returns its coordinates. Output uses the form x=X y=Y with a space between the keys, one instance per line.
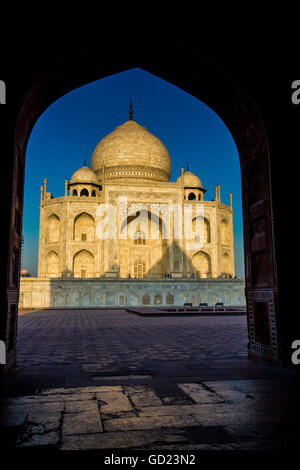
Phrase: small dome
x=84 y=175
x=190 y=180
x=131 y=151
x=25 y=272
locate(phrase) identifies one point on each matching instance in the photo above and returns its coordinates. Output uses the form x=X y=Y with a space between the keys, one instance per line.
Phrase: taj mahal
x=129 y=173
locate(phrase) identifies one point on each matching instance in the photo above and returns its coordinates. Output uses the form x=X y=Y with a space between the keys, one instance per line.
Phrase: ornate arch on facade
x=206 y=229
x=224 y=232
x=52 y=229
x=84 y=192
x=202 y=264
x=83 y=264
x=170 y=299
x=146 y=299
x=52 y=264
x=84 y=228
x=146 y=234
x=192 y=196
x=225 y=263
x=143 y=218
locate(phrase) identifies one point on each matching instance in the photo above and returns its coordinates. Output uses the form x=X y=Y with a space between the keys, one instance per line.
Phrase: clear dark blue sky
x=69 y=130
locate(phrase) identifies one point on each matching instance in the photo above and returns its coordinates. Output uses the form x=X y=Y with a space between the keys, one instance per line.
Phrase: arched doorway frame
x=223 y=94
x=148 y=217
x=91 y=261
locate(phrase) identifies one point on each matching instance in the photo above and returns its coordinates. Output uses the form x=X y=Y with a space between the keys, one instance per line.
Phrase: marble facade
x=43 y=293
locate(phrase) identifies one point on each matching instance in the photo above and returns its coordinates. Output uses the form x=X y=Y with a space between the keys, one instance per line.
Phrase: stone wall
x=42 y=293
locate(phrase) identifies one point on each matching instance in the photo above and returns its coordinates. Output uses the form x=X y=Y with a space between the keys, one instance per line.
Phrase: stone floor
x=116 y=337
x=88 y=380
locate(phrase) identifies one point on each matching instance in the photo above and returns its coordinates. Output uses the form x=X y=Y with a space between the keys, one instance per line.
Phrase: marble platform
x=61 y=292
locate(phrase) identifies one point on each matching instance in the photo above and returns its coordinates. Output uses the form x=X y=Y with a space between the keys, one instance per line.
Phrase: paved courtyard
x=115 y=337
x=97 y=380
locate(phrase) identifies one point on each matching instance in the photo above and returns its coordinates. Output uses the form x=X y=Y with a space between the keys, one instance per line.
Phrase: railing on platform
x=210 y=310
x=206 y=309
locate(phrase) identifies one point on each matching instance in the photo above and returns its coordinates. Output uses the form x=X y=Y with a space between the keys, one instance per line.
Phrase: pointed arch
x=145 y=230
x=84 y=192
x=145 y=216
x=52 y=264
x=224 y=232
x=170 y=299
x=202 y=264
x=192 y=197
x=83 y=264
x=206 y=229
x=225 y=263
x=146 y=299
x=84 y=228
x=52 y=229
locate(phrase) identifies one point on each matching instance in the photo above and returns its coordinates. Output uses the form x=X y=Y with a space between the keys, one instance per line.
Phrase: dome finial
x=84 y=162
x=187 y=167
x=130 y=110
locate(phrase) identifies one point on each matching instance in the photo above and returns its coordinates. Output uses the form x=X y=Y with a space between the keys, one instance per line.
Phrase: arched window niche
x=84 y=192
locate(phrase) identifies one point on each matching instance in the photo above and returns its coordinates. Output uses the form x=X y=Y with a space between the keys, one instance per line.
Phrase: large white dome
x=131 y=152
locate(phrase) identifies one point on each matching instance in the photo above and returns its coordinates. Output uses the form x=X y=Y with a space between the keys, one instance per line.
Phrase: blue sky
x=69 y=130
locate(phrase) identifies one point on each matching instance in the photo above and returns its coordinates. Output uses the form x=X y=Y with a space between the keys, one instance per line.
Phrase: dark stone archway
x=207 y=82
